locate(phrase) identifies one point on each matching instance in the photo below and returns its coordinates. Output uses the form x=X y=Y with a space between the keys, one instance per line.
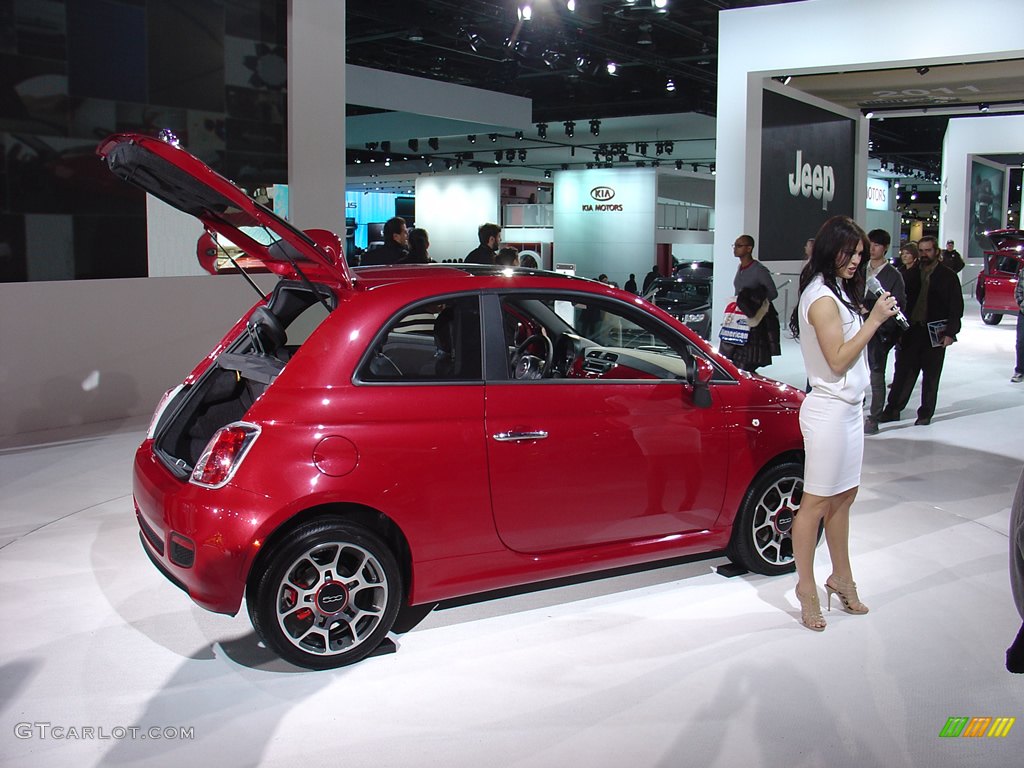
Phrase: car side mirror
x=704 y=371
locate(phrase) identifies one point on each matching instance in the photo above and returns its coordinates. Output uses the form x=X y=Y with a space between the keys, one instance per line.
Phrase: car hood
x=1007 y=240
x=181 y=180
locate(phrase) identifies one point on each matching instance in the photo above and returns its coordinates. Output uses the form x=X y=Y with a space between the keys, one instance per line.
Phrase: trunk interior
x=243 y=372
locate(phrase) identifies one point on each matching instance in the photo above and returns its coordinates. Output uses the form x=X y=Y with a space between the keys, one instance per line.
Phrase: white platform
x=670 y=666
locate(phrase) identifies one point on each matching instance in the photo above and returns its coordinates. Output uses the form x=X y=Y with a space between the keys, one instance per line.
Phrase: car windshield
x=690 y=293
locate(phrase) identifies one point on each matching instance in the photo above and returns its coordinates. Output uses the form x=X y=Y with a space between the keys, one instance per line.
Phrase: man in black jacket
x=396 y=244
x=490 y=238
x=880 y=344
x=936 y=307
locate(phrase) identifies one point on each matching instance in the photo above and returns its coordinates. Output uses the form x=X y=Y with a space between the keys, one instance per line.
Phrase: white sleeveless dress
x=831 y=417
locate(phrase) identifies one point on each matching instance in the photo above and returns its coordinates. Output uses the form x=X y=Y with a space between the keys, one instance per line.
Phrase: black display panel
x=807 y=174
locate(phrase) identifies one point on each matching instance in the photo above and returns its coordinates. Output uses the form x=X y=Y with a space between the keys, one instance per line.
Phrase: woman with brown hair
x=833 y=336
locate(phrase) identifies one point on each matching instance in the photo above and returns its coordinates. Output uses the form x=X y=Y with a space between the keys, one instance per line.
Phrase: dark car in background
x=686 y=295
x=999 y=275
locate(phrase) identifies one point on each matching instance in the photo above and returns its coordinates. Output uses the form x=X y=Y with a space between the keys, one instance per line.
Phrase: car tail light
x=160 y=408
x=224 y=454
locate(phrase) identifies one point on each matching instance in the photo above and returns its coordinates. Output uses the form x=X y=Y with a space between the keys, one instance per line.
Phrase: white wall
x=966 y=136
x=171 y=240
x=77 y=352
x=614 y=241
x=451 y=208
x=828 y=36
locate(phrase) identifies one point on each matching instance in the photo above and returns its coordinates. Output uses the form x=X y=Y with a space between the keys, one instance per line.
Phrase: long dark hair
x=838 y=235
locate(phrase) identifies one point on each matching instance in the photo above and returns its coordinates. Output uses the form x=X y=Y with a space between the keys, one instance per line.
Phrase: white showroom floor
x=668 y=666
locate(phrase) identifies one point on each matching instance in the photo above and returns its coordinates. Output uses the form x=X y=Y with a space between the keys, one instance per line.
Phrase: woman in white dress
x=833 y=335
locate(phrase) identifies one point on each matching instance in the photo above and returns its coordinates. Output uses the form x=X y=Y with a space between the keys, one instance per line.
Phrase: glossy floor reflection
x=668 y=666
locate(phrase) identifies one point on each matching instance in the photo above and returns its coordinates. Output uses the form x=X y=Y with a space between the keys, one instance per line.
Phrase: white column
x=316 y=114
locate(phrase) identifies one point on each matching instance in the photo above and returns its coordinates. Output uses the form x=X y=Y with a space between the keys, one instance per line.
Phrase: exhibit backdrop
x=987 y=205
x=807 y=174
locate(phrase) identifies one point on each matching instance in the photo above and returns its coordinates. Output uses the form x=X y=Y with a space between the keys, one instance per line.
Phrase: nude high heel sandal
x=847 y=593
x=810 y=611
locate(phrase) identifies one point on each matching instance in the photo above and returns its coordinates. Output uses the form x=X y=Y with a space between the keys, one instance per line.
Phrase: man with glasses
x=936 y=307
x=755 y=292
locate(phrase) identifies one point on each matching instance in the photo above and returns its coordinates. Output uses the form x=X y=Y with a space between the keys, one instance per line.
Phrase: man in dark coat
x=490 y=238
x=396 y=244
x=936 y=307
x=878 y=347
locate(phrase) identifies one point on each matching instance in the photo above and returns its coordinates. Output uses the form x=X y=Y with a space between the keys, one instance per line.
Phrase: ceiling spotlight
x=565 y=166
x=595 y=127
x=432 y=143
x=659 y=147
x=415 y=35
x=414 y=145
x=547 y=174
x=612 y=68
x=714 y=171
x=623 y=158
x=645 y=35
x=570 y=128
x=922 y=70
x=525 y=12
x=519 y=135
x=542 y=130
x=694 y=167
x=371 y=145
x=784 y=79
x=510 y=155
x=640 y=163
x=447 y=164
x=869 y=114
x=551 y=57
x=679 y=165
x=522 y=155
x=492 y=136
x=670 y=85
x=385 y=146
x=570 y=5
x=983 y=107
x=473 y=40
x=497 y=156
x=471 y=138
x=429 y=161
x=479 y=168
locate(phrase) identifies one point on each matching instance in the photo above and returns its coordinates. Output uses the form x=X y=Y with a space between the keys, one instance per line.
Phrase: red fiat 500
x=999 y=275
x=366 y=439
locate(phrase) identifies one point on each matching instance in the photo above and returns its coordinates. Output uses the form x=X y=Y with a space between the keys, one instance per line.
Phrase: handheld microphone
x=874 y=288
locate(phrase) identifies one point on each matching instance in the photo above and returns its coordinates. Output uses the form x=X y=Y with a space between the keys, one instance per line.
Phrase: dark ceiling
x=559 y=58
x=665 y=60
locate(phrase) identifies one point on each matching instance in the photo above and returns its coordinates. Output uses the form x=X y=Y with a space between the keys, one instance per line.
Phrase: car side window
x=583 y=337
x=435 y=341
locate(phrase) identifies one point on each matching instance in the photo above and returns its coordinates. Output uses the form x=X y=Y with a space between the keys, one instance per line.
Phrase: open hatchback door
x=168 y=172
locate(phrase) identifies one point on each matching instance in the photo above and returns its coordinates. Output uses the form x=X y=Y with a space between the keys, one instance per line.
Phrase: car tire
x=327 y=595
x=761 y=540
x=990 y=318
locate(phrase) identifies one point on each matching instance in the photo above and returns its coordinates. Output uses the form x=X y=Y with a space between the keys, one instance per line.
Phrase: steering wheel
x=526 y=366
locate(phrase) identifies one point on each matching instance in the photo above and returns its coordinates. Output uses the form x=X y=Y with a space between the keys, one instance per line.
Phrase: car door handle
x=514 y=437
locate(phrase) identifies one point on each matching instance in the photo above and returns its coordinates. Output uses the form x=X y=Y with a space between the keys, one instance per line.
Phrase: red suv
x=999 y=275
x=363 y=440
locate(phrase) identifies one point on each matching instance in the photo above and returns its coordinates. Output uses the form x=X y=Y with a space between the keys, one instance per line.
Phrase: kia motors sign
x=602 y=195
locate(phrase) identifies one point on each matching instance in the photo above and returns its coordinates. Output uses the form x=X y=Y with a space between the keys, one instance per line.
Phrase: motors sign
x=602 y=195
